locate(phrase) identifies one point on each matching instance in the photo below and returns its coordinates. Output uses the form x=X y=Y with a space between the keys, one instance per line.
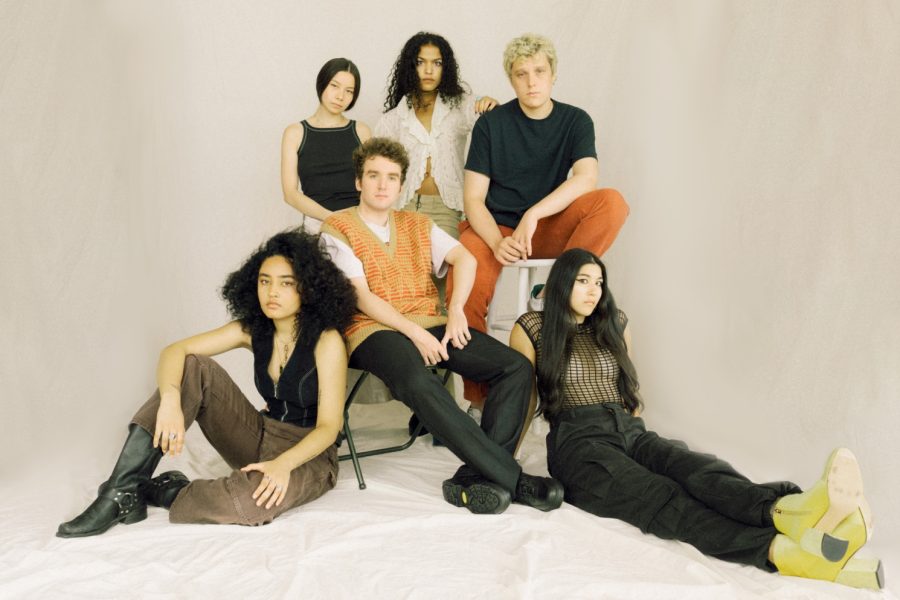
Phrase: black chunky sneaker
x=542 y=493
x=480 y=496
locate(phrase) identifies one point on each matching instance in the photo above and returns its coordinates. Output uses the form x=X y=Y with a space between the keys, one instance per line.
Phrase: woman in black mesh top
x=613 y=467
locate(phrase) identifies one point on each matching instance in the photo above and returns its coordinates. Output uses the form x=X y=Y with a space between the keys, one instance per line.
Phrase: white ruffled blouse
x=445 y=144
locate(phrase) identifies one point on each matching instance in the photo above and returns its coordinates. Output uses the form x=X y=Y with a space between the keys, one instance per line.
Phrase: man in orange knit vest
x=400 y=333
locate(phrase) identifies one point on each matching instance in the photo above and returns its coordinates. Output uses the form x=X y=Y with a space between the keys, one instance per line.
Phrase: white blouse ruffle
x=445 y=144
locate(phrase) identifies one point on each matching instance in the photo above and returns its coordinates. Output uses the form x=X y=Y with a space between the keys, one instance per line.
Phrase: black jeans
x=613 y=467
x=488 y=450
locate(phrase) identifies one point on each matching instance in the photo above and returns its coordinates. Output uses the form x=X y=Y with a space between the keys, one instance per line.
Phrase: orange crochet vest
x=398 y=272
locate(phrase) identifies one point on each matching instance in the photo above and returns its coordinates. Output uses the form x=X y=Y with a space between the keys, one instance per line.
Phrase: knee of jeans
x=241 y=487
x=195 y=362
x=192 y=361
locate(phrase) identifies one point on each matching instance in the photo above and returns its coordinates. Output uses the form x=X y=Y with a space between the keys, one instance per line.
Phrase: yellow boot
x=790 y=559
x=810 y=518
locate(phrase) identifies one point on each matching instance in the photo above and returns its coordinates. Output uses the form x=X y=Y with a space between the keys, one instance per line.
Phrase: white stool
x=527 y=271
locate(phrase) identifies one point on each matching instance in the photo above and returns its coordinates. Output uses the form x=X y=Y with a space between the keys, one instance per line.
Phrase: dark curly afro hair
x=404 y=80
x=328 y=300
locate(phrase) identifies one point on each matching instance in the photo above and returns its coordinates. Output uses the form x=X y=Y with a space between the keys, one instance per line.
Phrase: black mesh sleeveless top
x=325 y=165
x=296 y=397
x=592 y=374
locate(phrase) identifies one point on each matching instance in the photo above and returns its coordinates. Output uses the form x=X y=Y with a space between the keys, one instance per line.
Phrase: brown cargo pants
x=242 y=436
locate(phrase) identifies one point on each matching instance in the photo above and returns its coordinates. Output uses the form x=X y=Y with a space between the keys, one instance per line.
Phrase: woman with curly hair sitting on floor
x=289 y=303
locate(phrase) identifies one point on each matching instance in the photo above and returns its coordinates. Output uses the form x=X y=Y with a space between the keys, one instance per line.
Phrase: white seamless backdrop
x=757 y=143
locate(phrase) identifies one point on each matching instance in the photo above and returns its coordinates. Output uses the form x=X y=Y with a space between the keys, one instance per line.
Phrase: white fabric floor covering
x=395 y=539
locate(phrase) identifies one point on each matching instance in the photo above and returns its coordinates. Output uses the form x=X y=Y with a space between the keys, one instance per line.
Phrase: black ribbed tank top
x=325 y=165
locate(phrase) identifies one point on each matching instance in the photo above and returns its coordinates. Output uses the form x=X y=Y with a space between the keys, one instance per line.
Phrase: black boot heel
x=135 y=517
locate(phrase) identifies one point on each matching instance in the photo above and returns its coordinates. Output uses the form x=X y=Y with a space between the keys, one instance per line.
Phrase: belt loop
x=617 y=416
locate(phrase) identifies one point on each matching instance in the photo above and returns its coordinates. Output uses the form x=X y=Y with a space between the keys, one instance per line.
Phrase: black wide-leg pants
x=613 y=467
x=488 y=449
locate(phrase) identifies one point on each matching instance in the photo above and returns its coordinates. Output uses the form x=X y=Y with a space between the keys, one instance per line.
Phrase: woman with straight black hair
x=289 y=303
x=316 y=168
x=610 y=465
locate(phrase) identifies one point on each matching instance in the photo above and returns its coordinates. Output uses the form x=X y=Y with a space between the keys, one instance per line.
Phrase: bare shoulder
x=330 y=341
x=236 y=332
x=293 y=134
x=520 y=341
x=362 y=131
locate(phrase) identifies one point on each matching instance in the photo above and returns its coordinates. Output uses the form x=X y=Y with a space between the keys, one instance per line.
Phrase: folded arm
x=464 y=266
x=475 y=188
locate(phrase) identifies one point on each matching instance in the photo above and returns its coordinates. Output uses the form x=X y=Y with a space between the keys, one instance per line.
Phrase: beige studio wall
x=756 y=142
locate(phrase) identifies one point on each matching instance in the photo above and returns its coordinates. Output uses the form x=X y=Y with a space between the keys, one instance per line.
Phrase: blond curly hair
x=525 y=46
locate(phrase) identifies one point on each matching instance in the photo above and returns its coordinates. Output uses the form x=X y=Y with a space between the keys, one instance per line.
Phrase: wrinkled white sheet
x=757 y=144
x=396 y=539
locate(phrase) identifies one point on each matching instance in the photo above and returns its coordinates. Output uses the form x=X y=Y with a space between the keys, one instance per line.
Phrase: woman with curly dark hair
x=430 y=112
x=610 y=465
x=290 y=303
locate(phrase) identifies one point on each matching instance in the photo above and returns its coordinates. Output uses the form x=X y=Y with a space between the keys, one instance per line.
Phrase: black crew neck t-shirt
x=527 y=158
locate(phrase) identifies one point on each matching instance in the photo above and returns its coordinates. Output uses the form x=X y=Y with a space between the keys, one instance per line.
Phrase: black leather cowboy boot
x=118 y=500
x=162 y=489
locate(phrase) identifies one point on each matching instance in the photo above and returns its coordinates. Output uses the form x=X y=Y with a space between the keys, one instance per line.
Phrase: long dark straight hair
x=560 y=327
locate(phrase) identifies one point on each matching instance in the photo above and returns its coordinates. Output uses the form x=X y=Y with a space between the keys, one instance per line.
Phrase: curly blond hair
x=525 y=46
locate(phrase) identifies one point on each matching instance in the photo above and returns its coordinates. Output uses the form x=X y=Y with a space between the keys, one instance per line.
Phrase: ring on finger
x=172 y=436
x=278 y=488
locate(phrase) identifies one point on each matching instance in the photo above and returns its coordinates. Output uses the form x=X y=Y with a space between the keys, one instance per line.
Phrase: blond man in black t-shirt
x=520 y=200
